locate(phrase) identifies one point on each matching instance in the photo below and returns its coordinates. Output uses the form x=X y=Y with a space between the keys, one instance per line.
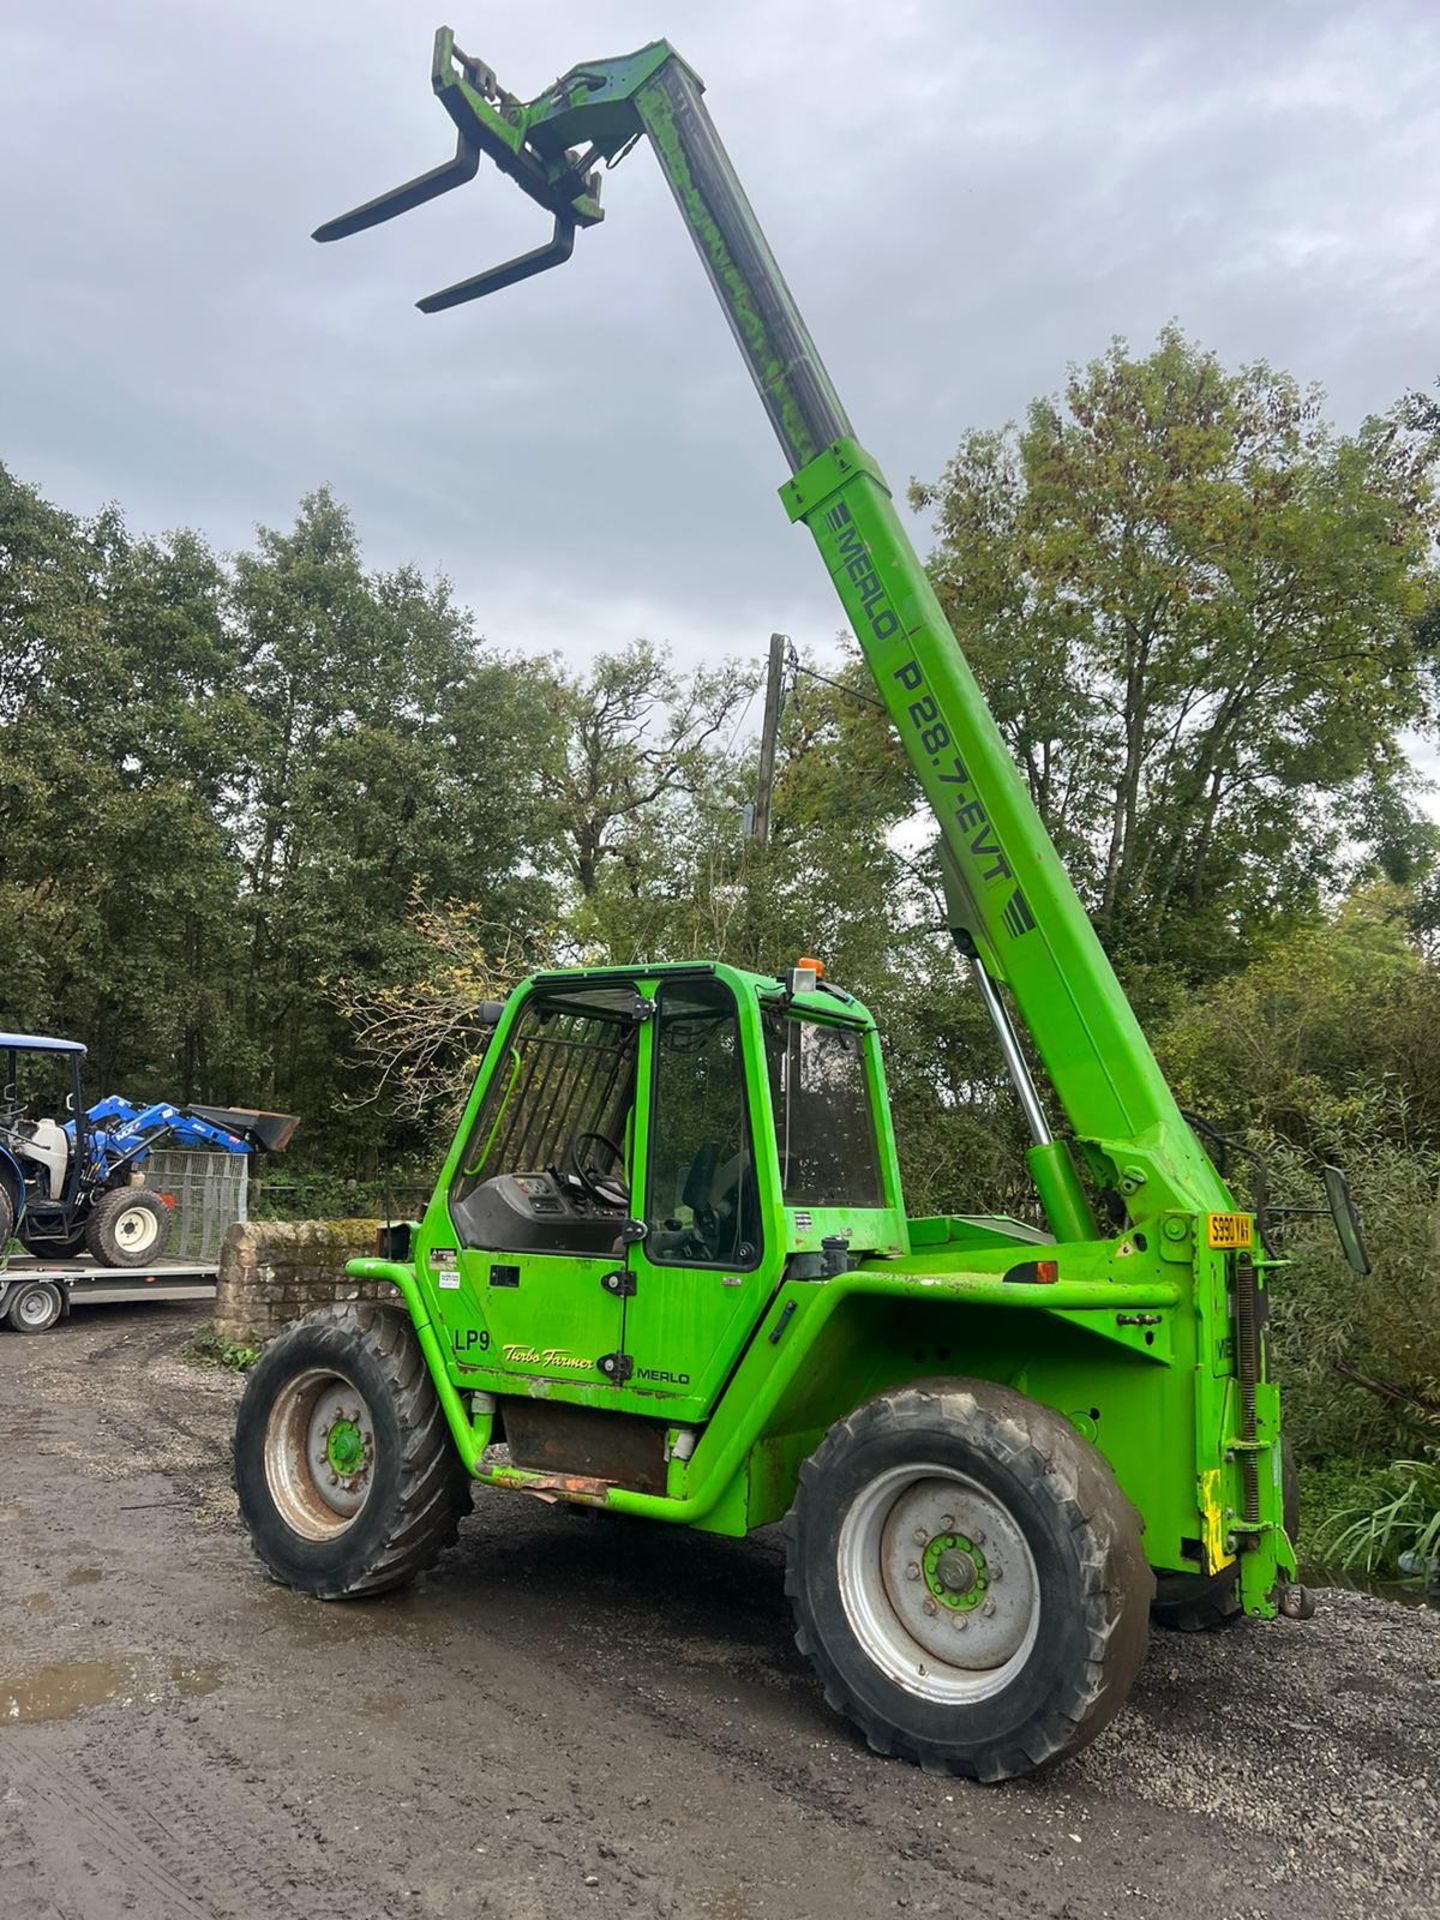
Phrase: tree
x=114 y=874
x=390 y=757
x=1192 y=606
x=637 y=738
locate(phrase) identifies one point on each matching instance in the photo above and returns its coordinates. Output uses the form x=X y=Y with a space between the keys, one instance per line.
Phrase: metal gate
x=209 y=1191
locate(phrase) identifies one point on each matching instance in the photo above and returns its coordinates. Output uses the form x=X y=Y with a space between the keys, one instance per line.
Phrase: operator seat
x=45 y=1143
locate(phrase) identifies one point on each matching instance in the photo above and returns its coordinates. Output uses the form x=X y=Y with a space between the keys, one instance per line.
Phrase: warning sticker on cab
x=1229 y=1230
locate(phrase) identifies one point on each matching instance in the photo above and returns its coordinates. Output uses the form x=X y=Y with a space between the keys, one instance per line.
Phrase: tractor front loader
x=668 y=1263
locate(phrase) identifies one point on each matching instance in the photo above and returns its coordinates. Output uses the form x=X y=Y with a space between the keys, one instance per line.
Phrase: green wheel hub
x=955 y=1571
x=345 y=1448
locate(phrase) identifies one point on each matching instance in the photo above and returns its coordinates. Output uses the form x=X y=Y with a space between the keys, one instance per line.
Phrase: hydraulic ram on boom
x=667 y=1263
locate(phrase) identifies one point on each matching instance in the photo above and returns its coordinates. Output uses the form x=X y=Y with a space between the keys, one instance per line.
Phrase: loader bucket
x=267 y=1131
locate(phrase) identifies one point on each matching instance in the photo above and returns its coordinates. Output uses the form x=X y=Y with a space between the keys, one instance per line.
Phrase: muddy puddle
x=59 y=1691
x=63 y=1688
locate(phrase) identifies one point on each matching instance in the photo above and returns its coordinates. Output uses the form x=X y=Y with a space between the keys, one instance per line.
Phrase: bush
x=330 y=1196
x=207 y=1349
x=1392 y=1525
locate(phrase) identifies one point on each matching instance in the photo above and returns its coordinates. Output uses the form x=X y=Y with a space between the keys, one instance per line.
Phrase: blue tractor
x=77 y=1185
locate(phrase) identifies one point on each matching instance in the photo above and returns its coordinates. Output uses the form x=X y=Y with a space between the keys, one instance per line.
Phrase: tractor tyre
x=968 y=1580
x=35 y=1308
x=1203 y=1602
x=348 y=1478
x=128 y=1227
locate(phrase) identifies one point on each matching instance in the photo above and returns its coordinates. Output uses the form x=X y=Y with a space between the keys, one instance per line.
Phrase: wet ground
x=577 y=1715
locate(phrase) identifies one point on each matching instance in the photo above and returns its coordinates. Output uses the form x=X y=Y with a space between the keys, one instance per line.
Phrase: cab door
x=527 y=1272
x=703 y=1274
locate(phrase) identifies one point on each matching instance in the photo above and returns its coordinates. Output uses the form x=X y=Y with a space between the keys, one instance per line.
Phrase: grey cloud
x=964 y=197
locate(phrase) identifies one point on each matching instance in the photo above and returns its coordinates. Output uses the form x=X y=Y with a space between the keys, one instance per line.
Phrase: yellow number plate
x=1228 y=1230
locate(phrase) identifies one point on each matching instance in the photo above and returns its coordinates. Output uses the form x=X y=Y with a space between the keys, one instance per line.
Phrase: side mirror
x=488 y=1013
x=1347 y=1219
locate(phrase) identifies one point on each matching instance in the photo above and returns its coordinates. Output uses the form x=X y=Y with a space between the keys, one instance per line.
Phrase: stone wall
x=274 y=1271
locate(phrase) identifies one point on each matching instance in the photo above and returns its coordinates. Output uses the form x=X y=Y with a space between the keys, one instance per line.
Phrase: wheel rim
x=319 y=1453
x=938 y=1584
x=136 y=1229
x=36 y=1308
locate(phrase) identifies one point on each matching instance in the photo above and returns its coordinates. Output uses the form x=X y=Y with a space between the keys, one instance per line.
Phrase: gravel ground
x=580 y=1715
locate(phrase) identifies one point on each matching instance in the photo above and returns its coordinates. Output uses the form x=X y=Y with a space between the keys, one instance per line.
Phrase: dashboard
x=544 y=1211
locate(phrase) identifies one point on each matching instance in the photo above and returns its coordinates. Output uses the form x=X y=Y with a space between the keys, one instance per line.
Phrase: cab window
x=824 y=1117
x=701 y=1206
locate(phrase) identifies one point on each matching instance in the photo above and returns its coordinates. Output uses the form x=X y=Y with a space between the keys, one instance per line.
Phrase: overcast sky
x=964 y=196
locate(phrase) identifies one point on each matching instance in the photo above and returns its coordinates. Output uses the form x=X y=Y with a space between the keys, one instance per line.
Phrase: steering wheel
x=607 y=1190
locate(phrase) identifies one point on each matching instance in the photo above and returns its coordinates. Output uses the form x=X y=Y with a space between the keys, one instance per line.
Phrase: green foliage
x=283 y=1193
x=207 y=1349
x=1322 y=1050
x=1192 y=606
x=1392 y=1527
x=222 y=784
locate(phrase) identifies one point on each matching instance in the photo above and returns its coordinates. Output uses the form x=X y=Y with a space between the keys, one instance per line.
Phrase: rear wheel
x=347 y=1475
x=967 y=1578
x=128 y=1227
x=35 y=1308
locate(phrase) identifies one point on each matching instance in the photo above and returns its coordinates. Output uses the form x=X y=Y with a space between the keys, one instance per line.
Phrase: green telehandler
x=667 y=1269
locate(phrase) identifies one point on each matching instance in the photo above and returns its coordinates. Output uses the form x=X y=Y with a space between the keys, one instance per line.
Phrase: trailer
x=35 y=1293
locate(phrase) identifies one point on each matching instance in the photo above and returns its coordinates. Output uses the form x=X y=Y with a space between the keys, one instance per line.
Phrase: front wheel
x=346 y=1472
x=128 y=1227
x=968 y=1580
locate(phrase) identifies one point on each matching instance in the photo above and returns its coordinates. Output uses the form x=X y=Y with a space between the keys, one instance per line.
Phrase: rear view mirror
x=1347 y=1220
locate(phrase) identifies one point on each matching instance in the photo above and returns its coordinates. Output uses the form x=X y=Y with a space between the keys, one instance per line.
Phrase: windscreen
x=824 y=1125
x=568 y=1068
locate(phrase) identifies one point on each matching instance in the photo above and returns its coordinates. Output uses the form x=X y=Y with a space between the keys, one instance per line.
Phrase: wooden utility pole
x=769 y=732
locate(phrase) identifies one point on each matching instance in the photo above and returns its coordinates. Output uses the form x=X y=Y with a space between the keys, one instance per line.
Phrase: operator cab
x=612 y=1097
x=549 y=1163
x=39 y=1113
x=648 y=1153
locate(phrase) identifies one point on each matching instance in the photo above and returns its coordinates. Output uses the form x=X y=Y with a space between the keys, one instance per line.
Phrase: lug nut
x=961 y=1620
x=995 y=1573
x=912 y=1572
x=988 y=1609
x=947 y=1523
x=920 y=1536
x=931 y=1608
x=977 y=1538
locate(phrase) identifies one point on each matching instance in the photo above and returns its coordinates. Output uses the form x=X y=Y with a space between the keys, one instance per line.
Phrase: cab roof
x=37 y=1043
x=831 y=1002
